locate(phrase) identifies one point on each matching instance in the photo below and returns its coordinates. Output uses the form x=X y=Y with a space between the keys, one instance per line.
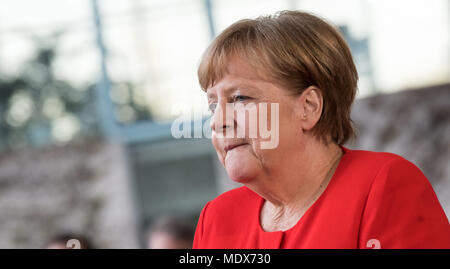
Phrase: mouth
x=230 y=147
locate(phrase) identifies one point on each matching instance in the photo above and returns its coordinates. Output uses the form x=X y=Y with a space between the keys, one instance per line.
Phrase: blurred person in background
x=69 y=241
x=309 y=191
x=170 y=233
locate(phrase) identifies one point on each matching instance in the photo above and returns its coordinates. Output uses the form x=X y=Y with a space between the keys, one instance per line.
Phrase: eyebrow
x=230 y=89
x=210 y=95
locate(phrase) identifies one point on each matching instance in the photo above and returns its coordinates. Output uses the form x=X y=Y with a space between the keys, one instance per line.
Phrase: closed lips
x=230 y=147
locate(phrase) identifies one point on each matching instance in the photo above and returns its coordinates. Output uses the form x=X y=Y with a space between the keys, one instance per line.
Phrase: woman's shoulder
x=384 y=169
x=363 y=169
x=372 y=156
x=366 y=160
x=401 y=208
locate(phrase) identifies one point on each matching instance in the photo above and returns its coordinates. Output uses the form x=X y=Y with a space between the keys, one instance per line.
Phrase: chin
x=241 y=176
x=241 y=165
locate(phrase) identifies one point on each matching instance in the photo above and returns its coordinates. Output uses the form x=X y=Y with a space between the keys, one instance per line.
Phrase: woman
x=309 y=191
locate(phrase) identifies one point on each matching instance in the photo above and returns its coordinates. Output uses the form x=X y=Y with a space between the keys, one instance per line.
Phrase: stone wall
x=82 y=188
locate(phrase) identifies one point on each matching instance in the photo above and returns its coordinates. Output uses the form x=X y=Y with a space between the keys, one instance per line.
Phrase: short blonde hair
x=298 y=50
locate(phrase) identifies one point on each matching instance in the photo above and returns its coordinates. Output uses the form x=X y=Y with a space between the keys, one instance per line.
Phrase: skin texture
x=289 y=177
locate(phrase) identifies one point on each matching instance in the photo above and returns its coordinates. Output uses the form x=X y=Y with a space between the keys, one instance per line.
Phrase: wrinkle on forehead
x=239 y=73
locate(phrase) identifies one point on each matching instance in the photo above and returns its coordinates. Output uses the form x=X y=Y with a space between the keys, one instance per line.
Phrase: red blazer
x=374 y=200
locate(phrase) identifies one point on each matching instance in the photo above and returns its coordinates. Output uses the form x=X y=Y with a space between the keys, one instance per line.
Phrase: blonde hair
x=298 y=50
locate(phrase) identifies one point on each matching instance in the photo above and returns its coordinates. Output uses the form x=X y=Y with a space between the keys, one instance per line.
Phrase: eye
x=239 y=98
x=212 y=107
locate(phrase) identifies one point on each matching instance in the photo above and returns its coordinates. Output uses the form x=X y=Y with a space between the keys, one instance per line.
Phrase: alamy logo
x=253 y=122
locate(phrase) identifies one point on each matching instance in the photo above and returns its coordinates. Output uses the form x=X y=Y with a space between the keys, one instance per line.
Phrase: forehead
x=239 y=74
x=241 y=67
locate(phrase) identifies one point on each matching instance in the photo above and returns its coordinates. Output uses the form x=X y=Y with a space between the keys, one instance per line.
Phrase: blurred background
x=89 y=89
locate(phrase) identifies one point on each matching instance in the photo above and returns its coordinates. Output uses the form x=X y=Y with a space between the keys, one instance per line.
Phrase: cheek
x=216 y=144
x=282 y=129
x=247 y=118
x=243 y=119
x=291 y=141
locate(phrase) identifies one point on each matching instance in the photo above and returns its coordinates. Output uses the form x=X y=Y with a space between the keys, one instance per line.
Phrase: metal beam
x=209 y=14
x=108 y=124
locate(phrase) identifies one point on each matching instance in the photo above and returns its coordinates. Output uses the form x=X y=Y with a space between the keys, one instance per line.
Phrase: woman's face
x=247 y=157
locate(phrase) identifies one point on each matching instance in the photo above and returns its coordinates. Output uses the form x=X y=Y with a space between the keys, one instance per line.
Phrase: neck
x=303 y=177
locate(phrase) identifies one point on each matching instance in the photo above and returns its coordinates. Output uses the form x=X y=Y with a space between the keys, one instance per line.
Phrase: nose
x=223 y=119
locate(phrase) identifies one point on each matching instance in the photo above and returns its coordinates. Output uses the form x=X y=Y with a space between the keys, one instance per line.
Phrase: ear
x=312 y=104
